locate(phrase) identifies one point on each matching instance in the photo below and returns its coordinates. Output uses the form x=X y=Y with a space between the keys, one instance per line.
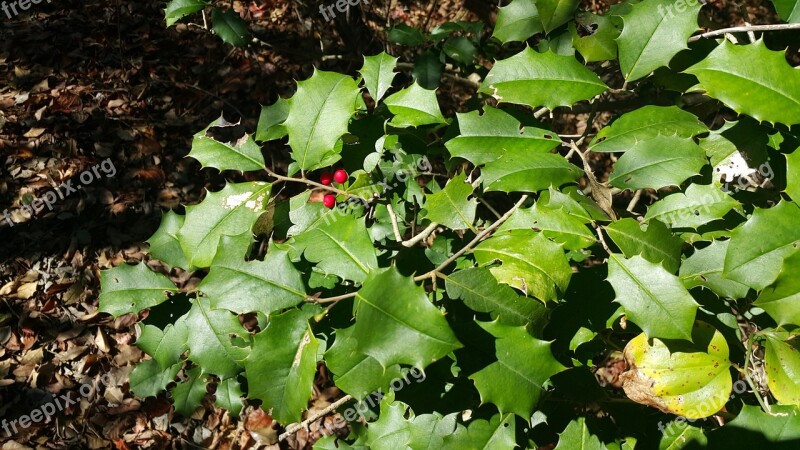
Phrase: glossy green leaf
x=778 y=429
x=704 y=268
x=689 y=380
x=530 y=262
x=405 y=35
x=391 y=431
x=654 y=32
x=460 y=49
x=781 y=300
x=211 y=339
x=578 y=437
x=231 y=211
x=378 y=72
x=167 y=346
x=658 y=162
x=517 y=21
x=758 y=247
x=601 y=44
x=246 y=286
x=557 y=224
x=479 y=290
x=793 y=175
x=271 y=121
x=654 y=242
x=148 y=378
x=230 y=27
x=646 y=123
x=129 y=289
x=514 y=383
x=541 y=79
x=554 y=13
x=428 y=431
x=414 y=106
x=531 y=172
x=452 y=206
x=700 y=205
x=653 y=298
x=188 y=395
x=341 y=247
x=229 y=396
x=319 y=113
x=177 y=9
x=789 y=10
x=496 y=433
x=782 y=366
x=280 y=370
x=164 y=244
x=680 y=435
x=402 y=328
x=488 y=137
x=768 y=89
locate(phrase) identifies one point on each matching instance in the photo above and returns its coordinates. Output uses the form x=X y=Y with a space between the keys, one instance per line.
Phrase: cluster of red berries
x=340 y=176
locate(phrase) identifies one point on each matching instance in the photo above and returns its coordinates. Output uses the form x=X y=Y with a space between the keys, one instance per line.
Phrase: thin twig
x=746 y=29
x=422 y=235
x=488 y=230
x=747 y=355
x=324 y=301
x=602 y=239
x=294 y=428
x=393 y=217
x=634 y=201
x=540 y=112
x=490 y=208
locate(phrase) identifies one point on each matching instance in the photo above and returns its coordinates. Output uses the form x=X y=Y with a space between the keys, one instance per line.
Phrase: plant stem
x=748 y=352
x=747 y=29
x=294 y=428
x=422 y=235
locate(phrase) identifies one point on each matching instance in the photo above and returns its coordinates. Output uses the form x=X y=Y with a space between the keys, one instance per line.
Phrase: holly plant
x=599 y=250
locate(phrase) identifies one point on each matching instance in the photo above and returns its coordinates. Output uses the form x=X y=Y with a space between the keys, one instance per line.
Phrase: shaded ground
x=87 y=82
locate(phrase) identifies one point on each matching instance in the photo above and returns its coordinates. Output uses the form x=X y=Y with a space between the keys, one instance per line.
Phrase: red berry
x=326 y=178
x=329 y=201
x=340 y=176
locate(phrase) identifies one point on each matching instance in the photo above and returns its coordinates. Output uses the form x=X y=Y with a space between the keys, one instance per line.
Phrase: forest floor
x=105 y=88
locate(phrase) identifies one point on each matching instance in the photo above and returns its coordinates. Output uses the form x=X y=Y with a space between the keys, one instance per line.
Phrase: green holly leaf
x=700 y=205
x=148 y=378
x=530 y=172
x=541 y=79
x=481 y=292
x=514 y=383
x=306 y=215
x=127 y=289
x=775 y=430
x=414 y=106
x=452 y=206
x=243 y=155
x=601 y=44
x=759 y=246
x=342 y=247
x=654 y=31
x=378 y=72
x=319 y=113
x=646 y=123
x=188 y=395
x=460 y=49
x=680 y=435
x=280 y=369
x=652 y=298
x=689 y=380
x=530 y=262
x=356 y=373
x=781 y=300
x=578 y=436
x=658 y=162
x=496 y=433
x=164 y=244
x=782 y=366
x=793 y=175
x=231 y=211
x=428 y=431
x=704 y=268
x=789 y=10
x=177 y=9
x=517 y=21
x=405 y=35
x=554 y=13
x=488 y=137
x=167 y=346
x=767 y=90
x=213 y=338
x=391 y=431
x=229 y=396
x=230 y=27
x=402 y=328
x=271 y=121
x=557 y=224
x=246 y=286
x=655 y=242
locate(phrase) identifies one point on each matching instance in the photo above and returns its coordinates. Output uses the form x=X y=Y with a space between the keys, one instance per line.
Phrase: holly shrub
x=630 y=280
